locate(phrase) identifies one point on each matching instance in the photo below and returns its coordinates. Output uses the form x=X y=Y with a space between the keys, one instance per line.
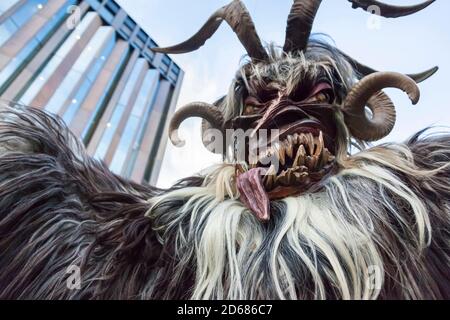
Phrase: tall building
x=91 y=64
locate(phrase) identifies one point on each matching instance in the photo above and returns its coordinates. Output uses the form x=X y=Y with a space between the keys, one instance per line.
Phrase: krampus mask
x=310 y=103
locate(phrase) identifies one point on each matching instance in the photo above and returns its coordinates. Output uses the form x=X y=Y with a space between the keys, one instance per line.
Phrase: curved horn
x=196 y=109
x=364 y=70
x=368 y=91
x=238 y=17
x=299 y=24
x=390 y=11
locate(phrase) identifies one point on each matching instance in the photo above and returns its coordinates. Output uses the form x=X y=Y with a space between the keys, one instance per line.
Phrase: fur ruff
x=386 y=213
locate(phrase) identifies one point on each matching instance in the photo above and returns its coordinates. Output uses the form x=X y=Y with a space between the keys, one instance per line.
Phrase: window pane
x=31 y=48
x=142 y=102
x=101 y=101
x=57 y=59
x=79 y=69
x=111 y=126
x=25 y=12
x=141 y=131
x=5 y=5
x=90 y=77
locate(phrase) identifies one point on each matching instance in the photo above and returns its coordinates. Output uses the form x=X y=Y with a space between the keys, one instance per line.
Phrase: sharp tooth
x=269 y=181
x=328 y=156
x=291 y=139
x=290 y=146
x=281 y=179
x=319 y=146
x=300 y=177
x=303 y=139
x=289 y=152
x=281 y=155
x=271 y=171
x=296 y=138
x=300 y=157
x=287 y=178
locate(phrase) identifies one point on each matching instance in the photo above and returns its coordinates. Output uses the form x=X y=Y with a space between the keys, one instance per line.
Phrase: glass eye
x=324 y=96
x=249 y=109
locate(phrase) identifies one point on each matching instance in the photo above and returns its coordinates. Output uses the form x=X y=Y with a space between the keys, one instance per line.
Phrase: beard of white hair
x=365 y=235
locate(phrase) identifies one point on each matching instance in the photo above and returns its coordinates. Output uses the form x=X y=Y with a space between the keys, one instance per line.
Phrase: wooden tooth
x=269 y=181
x=271 y=171
x=281 y=155
x=299 y=157
x=289 y=147
x=281 y=179
x=303 y=139
x=319 y=146
x=304 y=169
x=290 y=139
x=301 y=177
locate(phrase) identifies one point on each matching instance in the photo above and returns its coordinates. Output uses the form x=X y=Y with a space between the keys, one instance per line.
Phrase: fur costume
x=374 y=224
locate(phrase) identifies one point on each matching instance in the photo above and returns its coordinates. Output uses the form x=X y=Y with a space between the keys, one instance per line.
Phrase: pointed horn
x=196 y=109
x=368 y=92
x=238 y=17
x=390 y=11
x=364 y=70
x=299 y=24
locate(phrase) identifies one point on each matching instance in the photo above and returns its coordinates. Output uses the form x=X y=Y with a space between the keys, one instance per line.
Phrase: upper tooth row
x=308 y=145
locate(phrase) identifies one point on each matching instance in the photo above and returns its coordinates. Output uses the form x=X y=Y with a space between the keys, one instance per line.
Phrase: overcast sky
x=410 y=44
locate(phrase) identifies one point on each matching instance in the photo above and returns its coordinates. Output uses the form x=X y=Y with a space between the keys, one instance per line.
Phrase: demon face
x=298 y=107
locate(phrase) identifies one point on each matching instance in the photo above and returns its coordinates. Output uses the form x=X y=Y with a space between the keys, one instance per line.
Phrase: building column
x=102 y=125
x=65 y=59
x=98 y=89
x=143 y=159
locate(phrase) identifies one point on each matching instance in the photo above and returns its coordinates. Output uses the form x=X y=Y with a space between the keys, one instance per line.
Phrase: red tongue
x=253 y=194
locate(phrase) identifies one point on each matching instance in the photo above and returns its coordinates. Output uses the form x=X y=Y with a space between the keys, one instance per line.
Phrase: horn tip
x=422 y=76
x=414 y=97
x=176 y=141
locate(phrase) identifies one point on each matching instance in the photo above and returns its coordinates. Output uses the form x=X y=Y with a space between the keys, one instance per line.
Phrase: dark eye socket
x=326 y=95
x=267 y=95
x=251 y=105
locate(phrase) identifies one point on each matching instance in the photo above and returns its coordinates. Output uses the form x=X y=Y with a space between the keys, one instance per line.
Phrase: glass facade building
x=90 y=63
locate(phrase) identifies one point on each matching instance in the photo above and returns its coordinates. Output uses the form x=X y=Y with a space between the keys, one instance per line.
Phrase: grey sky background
x=410 y=44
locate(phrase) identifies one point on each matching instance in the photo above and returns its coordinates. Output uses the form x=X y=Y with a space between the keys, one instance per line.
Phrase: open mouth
x=300 y=157
x=295 y=161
